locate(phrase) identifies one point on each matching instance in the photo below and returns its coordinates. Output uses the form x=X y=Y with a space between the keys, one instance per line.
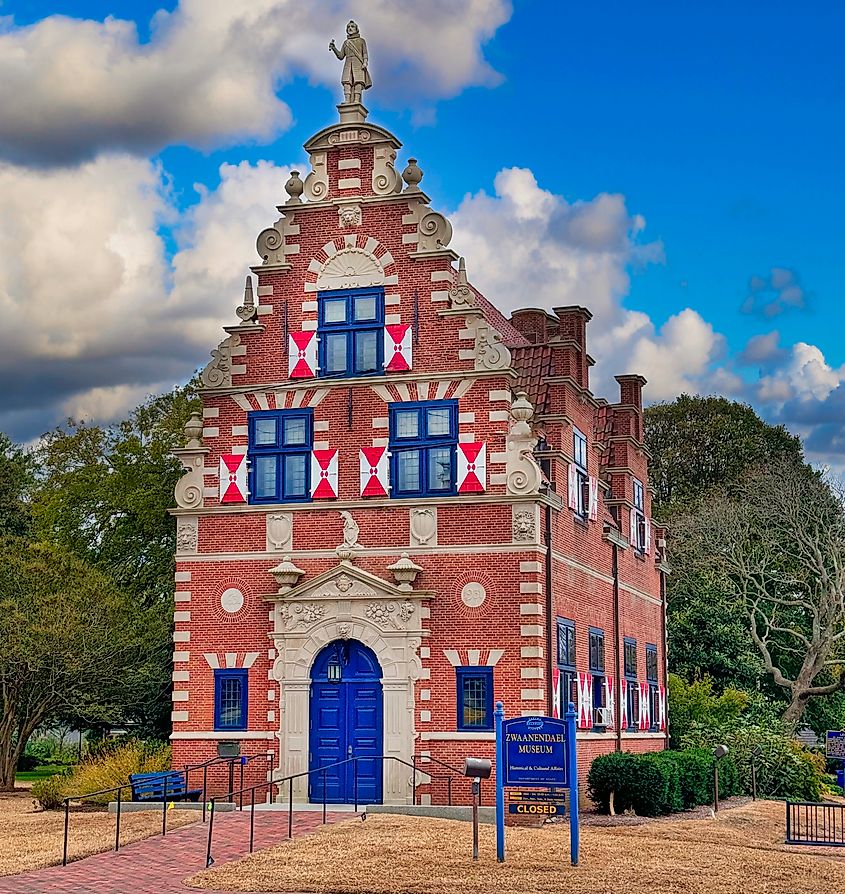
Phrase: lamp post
x=756 y=751
x=718 y=753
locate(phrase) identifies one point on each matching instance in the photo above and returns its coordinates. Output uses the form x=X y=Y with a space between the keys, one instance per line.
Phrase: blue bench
x=151 y=787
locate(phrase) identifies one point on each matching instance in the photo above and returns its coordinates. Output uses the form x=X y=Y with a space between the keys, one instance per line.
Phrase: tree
x=68 y=633
x=776 y=545
x=16 y=481
x=698 y=443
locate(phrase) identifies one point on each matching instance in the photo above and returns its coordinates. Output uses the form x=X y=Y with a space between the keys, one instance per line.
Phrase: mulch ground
x=741 y=851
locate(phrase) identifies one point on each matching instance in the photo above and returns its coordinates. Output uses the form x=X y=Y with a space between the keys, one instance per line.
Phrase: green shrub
x=695 y=704
x=112 y=767
x=50 y=791
x=695 y=775
x=50 y=750
x=646 y=783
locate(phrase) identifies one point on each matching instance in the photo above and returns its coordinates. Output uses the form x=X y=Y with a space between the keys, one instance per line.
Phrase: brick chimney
x=535 y=324
x=631 y=404
x=571 y=358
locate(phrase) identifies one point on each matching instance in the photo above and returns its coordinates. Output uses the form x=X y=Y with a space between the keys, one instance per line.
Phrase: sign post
x=834 y=749
x=536 y=752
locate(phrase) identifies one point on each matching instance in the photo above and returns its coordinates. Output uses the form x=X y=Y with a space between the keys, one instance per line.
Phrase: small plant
x=50 y=791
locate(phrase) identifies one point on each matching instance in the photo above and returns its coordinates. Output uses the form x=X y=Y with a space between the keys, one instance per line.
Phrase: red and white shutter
x=609 y=703
x=645 y=708
x=594 y=498
x=233 y=482
x=635 y=521
x=647 y=535
x=623 y=704
x=302 y=355
x=472 y=467
x=556 y=692
x=375 y=472
x=397 y=348
x=573 y=486
x=323 y=474
x=585 y=700
x=662 y=708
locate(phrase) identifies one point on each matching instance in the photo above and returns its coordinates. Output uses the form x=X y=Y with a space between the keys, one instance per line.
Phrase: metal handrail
x=209 y=860
x=168 y=774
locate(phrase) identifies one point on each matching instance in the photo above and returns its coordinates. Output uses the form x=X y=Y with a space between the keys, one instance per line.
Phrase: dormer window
x=351 y=332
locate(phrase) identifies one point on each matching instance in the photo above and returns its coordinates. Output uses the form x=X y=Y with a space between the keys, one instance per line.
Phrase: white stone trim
x=211 y=431
x=473 y=657
x=309 y=307
x=182 y=577
x=457 y=737
x=392 y=319
x=182 y=596
x=466 y=437
x=530 y=567
x=264 y=291
x=530 y=586
x=181 y=676
x=499 y=416
x=530 y=608
x=181 y=617
x=271 y=717
x=392 y=300
x=499 y=394
x=425 y=716
x=425 y=652
x=261 y=400
x=439 y=295
x=381 y=422
x=179 y=695
x=532 y=695
x=249 y=659
x=443 y=276
x=271 y=695
x=531 y=652
x=425 y=695
x=210 y=412
x=453 y=657
x=220 y=734
x=321 y=445
x=181 y=657
x=210 y=491
x=264 y=310
x=242 y=401
x=212 y=660
x=494 y=656
x=231 y=659
x=349 y=183
x=466 y=418
x=347 y=164
x=181 y=636
x=321 y=425
x=530 y=630
x=179 y=716
x=531 y=673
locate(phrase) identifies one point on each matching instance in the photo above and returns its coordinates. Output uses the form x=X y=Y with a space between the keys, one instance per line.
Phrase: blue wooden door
x=346 y=719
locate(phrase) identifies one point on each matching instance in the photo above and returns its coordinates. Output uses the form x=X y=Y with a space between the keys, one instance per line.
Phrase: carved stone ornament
x=294 y=188
x=424 y=526
x=302 y=614
x=187 y=535
x=386 y=179
x=524 y=524
x=317 y=182
x=350 y=537
x=490 y=353
x=189 y=488
x=193 y=431
x=286 y=574
x=412 y=175
x=218 y=372
x=349 y=216
x=523 y=474
x=247 y=312
x=279 y=531
x=460 y=295
x=405 y=571
x=435 y=232
x=270 y=244
x=350 y=268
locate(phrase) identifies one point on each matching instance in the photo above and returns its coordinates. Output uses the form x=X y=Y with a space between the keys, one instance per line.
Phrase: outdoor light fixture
x=333 y=672
x=476 y=768
x=718 y=753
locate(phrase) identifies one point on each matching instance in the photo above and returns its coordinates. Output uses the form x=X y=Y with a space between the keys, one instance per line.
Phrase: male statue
x=356 y=76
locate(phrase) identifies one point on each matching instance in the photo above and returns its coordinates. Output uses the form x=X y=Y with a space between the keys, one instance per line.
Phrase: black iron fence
x=170 y=776
x=815 y=823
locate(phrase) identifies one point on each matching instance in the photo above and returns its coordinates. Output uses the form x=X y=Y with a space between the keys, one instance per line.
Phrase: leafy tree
x=16 y=481
x=696 y=704
x=68 y=633
x=776 y=546
x=698 y=443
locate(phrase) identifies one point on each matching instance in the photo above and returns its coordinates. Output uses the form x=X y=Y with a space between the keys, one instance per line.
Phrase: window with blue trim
x=280 y=443
x=230 y=699
x=597 y=670
x=632 y=696
x=423 y=448
x=475 y=698
x=651 y=674
x=566 y=664
x=351 y=332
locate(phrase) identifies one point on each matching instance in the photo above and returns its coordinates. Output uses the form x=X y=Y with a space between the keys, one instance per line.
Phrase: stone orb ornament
x=473 y=594
x=232 y=600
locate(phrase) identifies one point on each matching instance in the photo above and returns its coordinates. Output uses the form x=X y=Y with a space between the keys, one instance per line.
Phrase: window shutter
x=645 y=708
x=585 y=703
x=323 y=474
x=472 y=467
x=375 y=472
x=634 y=528
x=623 y=704
x=573 y=486
x=556 y=692
x=397 y=348
x=233 y=483
x=609 y=706
x=302 y=355
x=594 y=498
x=646 y=535
x=662 y=718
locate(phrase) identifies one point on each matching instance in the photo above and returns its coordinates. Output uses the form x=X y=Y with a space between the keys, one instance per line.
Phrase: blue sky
x=721 y=125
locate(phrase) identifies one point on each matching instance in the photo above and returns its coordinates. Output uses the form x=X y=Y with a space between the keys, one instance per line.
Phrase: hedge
x=660 y=782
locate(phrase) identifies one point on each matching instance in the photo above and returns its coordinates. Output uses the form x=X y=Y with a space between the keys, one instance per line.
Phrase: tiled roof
x=534 y=365
x=510 y=336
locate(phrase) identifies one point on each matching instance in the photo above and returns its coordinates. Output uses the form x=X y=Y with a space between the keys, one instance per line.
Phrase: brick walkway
x=159 y=865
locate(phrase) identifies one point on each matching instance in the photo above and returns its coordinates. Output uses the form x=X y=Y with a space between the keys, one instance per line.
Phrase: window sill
x=580 y=520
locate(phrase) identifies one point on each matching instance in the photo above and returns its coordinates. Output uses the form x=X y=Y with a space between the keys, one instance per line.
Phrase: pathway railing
x=183 y=774
x=815 y=823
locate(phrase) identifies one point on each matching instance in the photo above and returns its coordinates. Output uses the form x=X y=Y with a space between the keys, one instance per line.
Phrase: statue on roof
x=356 y=75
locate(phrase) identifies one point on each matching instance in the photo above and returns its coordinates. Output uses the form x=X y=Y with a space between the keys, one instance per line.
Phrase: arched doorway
x=346 y=720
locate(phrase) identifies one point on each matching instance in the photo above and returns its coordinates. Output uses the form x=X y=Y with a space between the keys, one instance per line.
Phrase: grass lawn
x=31 y=838
x=740 y=852
x=41 y=772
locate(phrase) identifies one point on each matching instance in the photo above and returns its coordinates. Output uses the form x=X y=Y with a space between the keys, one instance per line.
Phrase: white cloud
x=209 y=74
x=805 y=376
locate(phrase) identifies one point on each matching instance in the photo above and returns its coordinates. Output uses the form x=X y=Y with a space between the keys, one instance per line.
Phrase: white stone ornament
x=232 y=600
x=473 y=594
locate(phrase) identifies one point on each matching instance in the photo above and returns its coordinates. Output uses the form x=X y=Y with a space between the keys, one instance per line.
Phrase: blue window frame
x=633 y=690
x=351 y=332
x=475 y=698
x=280 y=443
x=596 y=639
x=651 y=674
x=230 y=699
x=566 y=664
x=423 y=448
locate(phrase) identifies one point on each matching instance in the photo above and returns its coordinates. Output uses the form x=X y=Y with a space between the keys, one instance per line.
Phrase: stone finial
x=405 y=571
x=247 y=311
x=294 y=188
x=287 y=575
x=523 y=474
x=412 y=175
x=193 y=431
x=460 y=295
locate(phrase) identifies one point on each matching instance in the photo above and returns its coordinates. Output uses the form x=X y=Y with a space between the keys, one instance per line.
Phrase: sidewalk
x=159 y=865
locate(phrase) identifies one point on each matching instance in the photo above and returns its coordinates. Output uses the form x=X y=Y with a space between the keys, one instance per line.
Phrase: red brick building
x=401 y=507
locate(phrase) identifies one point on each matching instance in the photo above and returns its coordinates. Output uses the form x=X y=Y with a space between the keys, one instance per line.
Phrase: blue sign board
x=534 y=751
x=835 y=744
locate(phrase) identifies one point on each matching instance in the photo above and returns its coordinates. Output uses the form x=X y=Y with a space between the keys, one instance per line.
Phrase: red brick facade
x=487 y=593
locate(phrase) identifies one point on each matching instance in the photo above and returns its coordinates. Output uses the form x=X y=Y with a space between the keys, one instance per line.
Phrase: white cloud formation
x=805 y=376
x=209 y=74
